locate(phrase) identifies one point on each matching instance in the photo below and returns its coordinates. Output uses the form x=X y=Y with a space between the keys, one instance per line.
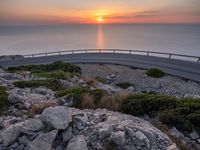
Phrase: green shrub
x=124 y=85
x=3 y=99
x=62 y=66
x=100 y=79
x=97 y=94
x=182 y=113
x=74 y=92
x=140 y=104
x=55 y=75
x=51 y=84
x=175 y=117
x=154 y=72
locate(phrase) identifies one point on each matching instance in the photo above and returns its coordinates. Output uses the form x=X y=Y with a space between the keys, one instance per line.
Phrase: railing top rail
x=113 y=50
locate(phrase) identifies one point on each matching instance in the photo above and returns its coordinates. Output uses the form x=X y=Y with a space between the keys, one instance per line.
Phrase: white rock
x=118 y=138
x=57 y=117
x=10 y=135
x=67 y=134
x=142 y=138
x=194 y=135
x=43 y=141
x=172 y=147
x=77 y=143
x=33 y=125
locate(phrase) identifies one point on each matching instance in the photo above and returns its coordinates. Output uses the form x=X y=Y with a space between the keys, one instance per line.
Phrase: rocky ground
x=72 y=129
x=61 y=128
x=168 y=84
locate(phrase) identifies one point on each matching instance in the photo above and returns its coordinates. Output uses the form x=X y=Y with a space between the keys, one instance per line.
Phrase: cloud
x=142 y=14
x=145 y=14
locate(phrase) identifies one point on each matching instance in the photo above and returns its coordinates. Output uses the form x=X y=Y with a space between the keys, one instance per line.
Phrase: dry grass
x=113 y=102
x=88 y=101
x=89 y=81
x=38 y=108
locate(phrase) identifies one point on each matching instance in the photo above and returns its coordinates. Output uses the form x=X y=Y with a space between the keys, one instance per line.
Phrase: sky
x=98 y=11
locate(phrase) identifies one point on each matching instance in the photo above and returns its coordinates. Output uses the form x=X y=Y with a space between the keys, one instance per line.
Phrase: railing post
x=129 y=51
x=59 y=52
x=198 y=60
x=86 y=51
x=148 y=53
x=72 y=52
x=114 y=51
x=33 y=56
x=46 y=54
x=170 y=55
x=99 y=50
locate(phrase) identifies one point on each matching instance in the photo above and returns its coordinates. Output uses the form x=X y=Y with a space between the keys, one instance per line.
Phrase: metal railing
x=136 y=52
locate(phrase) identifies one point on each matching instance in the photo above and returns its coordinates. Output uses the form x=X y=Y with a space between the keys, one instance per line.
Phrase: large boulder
x=57 y=117
x=77 y=143
x=9 y=135
x=43 y=141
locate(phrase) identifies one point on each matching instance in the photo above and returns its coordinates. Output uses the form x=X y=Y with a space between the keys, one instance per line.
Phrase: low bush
x=55 y=75
x=59 y=65
x=182 y=113
x=51 y=84
x=141 y=104
x=154 y=72
x=124 y=85
x=175 y=117
x=3 y=100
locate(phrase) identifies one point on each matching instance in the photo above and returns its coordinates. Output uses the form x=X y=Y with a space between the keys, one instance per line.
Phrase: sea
x=169 y=38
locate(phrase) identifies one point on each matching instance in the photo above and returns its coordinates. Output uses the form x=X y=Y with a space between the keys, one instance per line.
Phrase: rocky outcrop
x=74 y=129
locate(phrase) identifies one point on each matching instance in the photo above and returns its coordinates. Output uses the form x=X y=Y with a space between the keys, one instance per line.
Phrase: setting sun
x=100 y=19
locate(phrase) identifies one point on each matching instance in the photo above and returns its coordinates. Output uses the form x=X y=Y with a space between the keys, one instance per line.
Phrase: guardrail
x=147 y=53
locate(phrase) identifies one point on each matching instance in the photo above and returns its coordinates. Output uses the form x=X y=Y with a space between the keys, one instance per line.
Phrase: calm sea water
x=184 y=39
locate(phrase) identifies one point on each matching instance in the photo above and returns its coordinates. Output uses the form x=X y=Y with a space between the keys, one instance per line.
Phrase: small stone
x=172 y=147
x=43 y=141
x=57 y=117
x=104 y=132
x=14 y=145
x=130 y=132
x=198 y=140
x=77 y=143
x=23 y=140
x=143 y=138
x=194 y=135
x=118 y=138
x=20 y=147
x=67 y=134
x=33 y=125
x=176 y=133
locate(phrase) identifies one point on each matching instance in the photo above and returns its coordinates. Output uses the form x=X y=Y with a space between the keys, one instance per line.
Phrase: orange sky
x=87 y=11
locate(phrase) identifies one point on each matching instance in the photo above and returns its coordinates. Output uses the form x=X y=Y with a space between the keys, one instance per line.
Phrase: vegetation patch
x=154 y=72
x=55 y=75
x=100 y=79
x=124 y=85
x=3 y=100
x=56 y=66
x=51 y=84
x=182 y=113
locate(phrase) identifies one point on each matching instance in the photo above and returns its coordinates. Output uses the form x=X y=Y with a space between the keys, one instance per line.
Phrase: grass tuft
x=154 y=72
